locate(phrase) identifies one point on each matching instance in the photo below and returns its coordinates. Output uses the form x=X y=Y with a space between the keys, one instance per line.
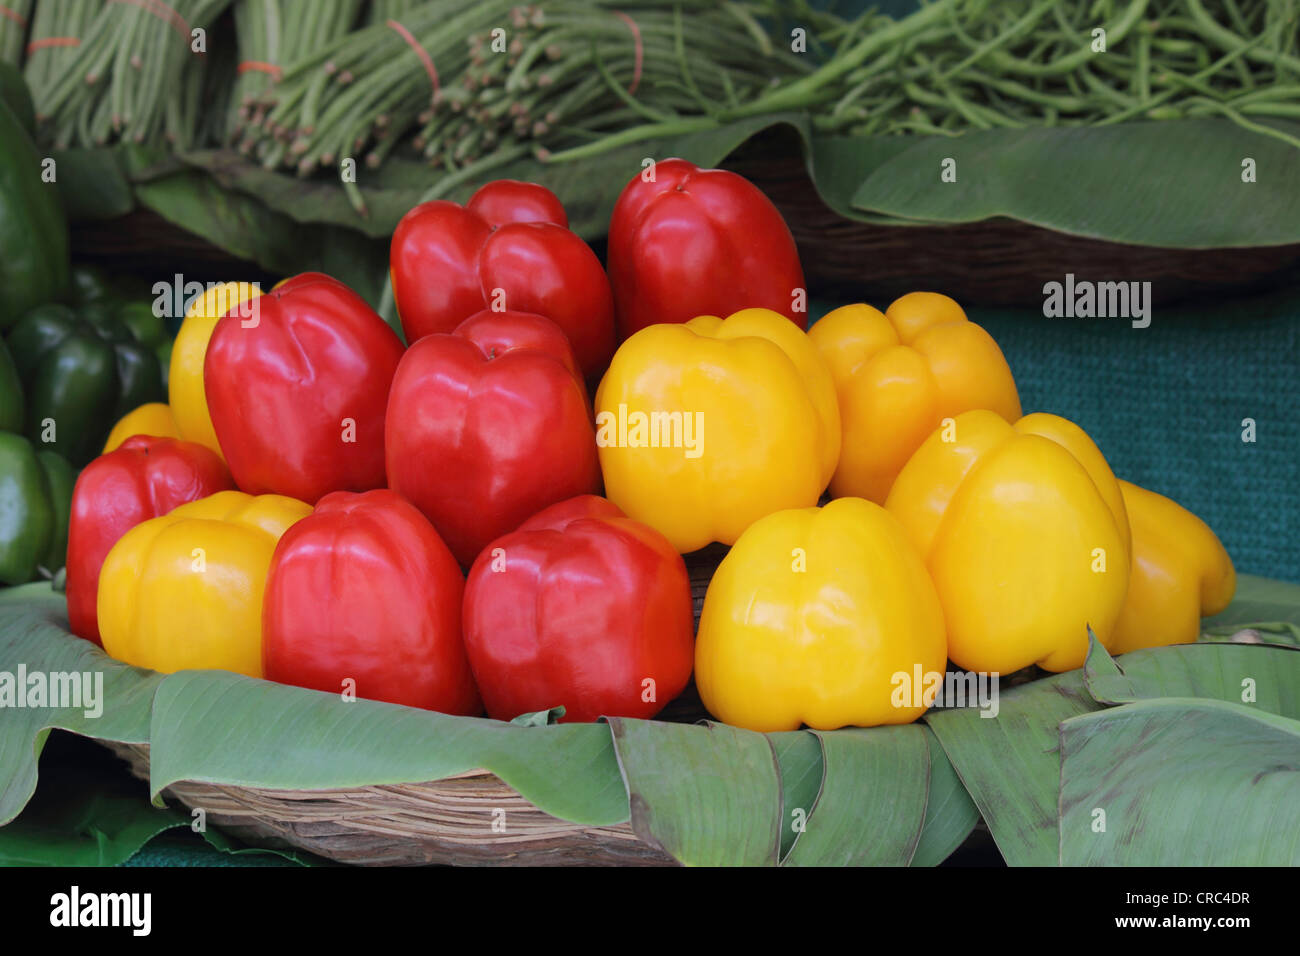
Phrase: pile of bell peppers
x=492 y=515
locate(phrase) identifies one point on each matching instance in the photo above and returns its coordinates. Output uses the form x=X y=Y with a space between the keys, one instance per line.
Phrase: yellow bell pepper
x=819 y=617
x=1181 y=572
x=707 y=426
x=1025 y=534
x=899 y=374
x=154 y=419
x=185 y=393
x=184 y=591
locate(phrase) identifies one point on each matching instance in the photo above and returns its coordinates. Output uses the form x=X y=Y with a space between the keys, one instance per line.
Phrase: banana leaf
x=1263 y=605
x=1180 y=782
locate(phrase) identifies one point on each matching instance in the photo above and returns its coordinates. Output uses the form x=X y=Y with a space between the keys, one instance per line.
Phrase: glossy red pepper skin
x=142 y=478
x=297 y=392
x=699 y=242
x=510 y=200
x=581 y=607
x=487 y=426
x=364 y=589
x=448 y=262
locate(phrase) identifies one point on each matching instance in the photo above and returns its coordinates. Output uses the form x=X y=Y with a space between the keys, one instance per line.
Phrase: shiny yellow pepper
x=899 y=374
x=184 y=591
x=153 y=419
x=820 y=617
x=1024 y=531
x=185 y=392
x=1181 y=573
x=744 y=416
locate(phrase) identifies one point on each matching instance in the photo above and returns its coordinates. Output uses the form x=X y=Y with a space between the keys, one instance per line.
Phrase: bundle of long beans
x=381 y=11
x=474 y=79
x=128 y=65
x=983 y=65
x=574 y=72
x=14 y=15
x=58 y=28
x=273 y=34
x=959 y=65
x=199 y=107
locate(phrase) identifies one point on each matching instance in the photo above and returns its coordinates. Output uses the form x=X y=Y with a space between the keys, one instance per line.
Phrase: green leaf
x=33 y=638
x=588 y=188
x=707 y=794
x=246 y=228
x=84 y=819
x=1103 y=676
x=1010 y=765
x=838 y=165
x=218 y=727
x=93 y=183
x=950 y=814
x=1259 y=675
x=540 y=718
x=1262 y=604
x=872 y=801
x=799 y=759
x=389 y=192
x=1181 y=782
x=89 y=810
x=1181 y=185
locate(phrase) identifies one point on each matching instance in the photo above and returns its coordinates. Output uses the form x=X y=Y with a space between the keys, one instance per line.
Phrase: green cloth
x=182 y=848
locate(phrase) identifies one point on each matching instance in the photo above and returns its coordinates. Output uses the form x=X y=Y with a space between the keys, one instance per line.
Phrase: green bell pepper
x=81 y=373
x=11 y=393
x=164 y=353
x=147 y=327
x=35 y=502
x=33 y=229
x=88 y=283
x=15 y=95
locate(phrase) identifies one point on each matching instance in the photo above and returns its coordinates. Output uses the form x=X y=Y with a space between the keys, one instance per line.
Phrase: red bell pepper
x=297 y=391
x=487 y=426
x=581 y=607
x=142 y=478
x=363 y=589
x=696 y=241
x=509 y=248
x=509 y=200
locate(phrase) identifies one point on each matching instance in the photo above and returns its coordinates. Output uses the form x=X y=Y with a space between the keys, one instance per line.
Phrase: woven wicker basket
x=446 y=821
x=436 y=822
